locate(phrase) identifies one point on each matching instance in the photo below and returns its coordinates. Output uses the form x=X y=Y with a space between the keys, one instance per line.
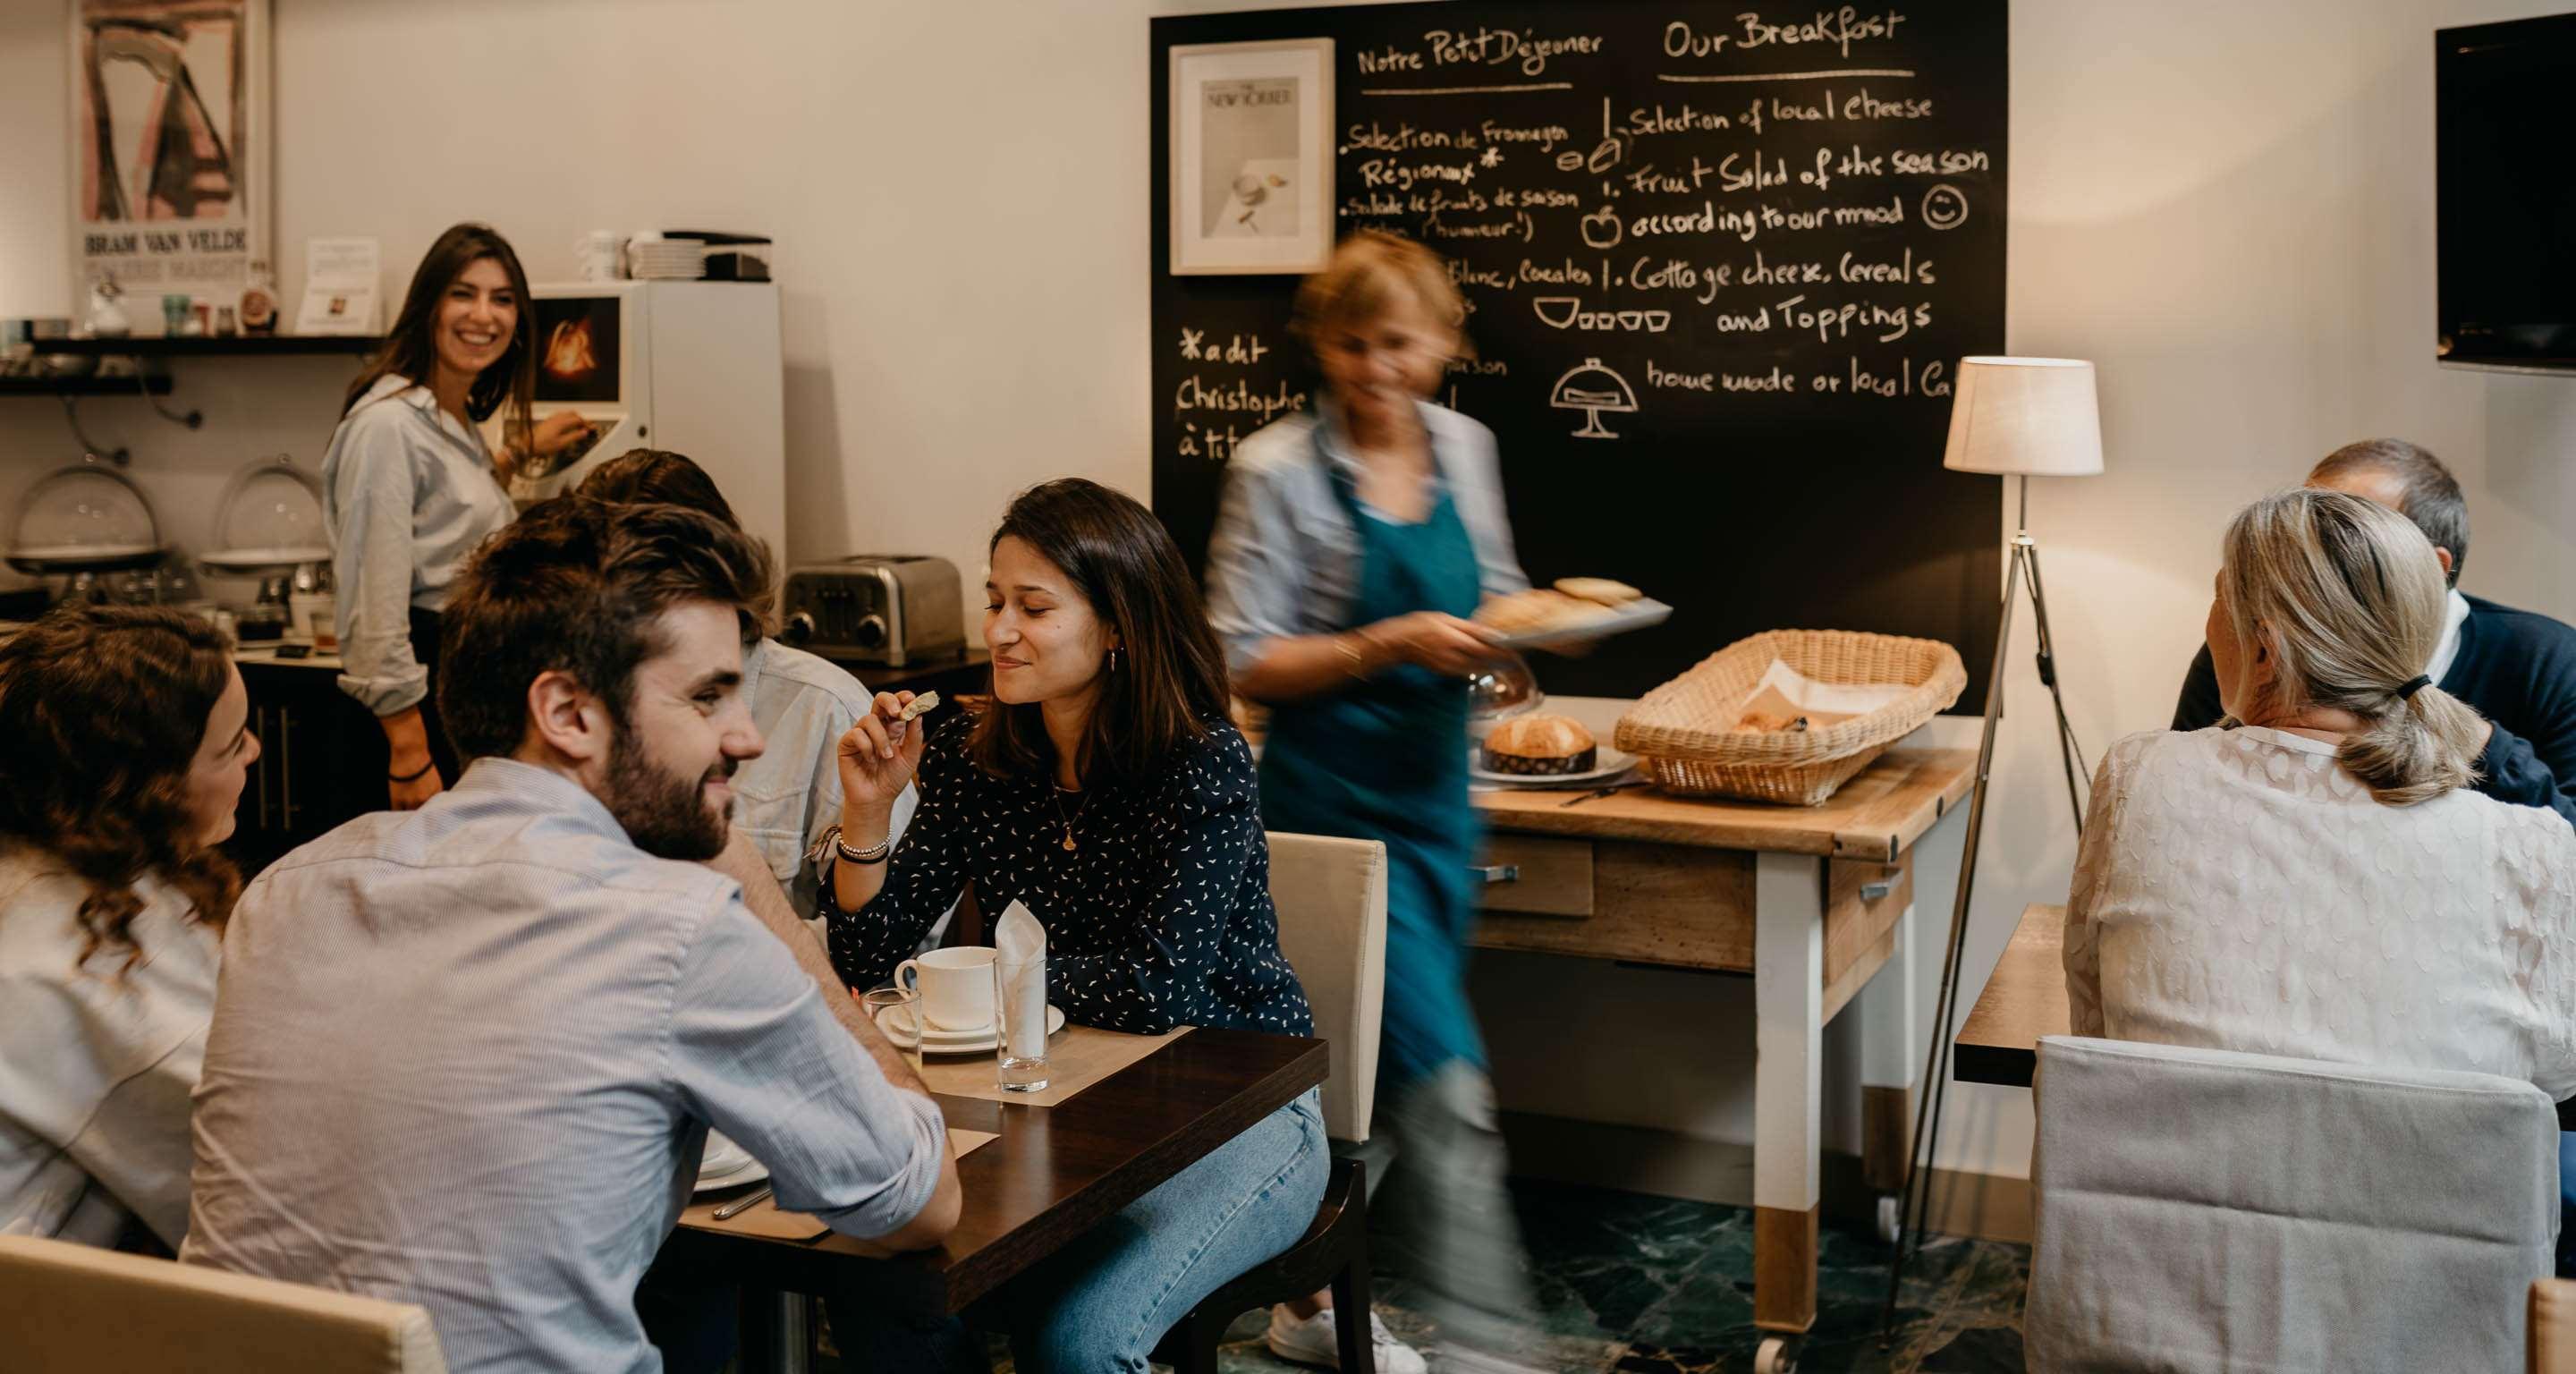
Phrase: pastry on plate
x=1537 y=747
x=1598 y=589
x=1540 y=609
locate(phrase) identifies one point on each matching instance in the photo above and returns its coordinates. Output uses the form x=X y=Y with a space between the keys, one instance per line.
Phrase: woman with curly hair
x=128 y=740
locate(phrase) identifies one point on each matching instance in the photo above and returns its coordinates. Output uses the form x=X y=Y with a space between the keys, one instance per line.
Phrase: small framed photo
x=1252 y=156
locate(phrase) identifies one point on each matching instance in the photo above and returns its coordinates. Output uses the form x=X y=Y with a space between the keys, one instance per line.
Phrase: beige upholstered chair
x=1331 y=895
x=2553 y=1327
x=2202 y=1210
x=75 y=1309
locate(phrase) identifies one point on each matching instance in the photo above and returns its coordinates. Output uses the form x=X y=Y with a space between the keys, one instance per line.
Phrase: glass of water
x=897 y=1014
x=1019 y=1024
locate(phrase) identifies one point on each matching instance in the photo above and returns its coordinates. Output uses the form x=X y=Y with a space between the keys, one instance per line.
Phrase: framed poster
x=170 y=148
x=1252 y=156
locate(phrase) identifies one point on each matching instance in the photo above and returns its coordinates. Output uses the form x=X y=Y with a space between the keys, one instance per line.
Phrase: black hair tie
x=2406 y=690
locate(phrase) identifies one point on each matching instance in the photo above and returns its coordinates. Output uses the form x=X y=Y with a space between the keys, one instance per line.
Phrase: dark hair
x=104 y=709
x=2427 y=493
x=575 y=585
x=658 y=474
x=411 y=347
x=1172 y=683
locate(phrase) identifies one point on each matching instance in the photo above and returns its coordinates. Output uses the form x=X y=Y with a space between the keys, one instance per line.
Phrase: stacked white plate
x=727 y=1165
x=666 y=259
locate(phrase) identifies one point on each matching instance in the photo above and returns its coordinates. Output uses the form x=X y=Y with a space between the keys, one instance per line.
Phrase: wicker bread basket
x=1682 y=731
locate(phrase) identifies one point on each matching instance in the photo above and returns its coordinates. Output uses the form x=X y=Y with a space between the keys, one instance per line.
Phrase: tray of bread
x=1576 y=609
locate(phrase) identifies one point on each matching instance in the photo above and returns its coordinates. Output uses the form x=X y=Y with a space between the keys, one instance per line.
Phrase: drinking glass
x=897 y=1013
x=1019 y=1024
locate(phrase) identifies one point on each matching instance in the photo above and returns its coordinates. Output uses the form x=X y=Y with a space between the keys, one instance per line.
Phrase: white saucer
x=962 y=1042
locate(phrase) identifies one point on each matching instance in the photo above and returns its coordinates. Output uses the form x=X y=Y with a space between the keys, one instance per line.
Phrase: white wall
x=2228 y=207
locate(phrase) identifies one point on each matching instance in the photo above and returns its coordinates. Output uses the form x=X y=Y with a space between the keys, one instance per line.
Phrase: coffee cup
x=956 y=986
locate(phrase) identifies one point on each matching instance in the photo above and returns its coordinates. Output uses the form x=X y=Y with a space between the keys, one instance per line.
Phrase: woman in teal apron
x=1352 y=546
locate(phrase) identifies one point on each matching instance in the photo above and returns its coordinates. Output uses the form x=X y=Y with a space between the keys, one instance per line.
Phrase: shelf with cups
x=84 y=386
x=224 y=346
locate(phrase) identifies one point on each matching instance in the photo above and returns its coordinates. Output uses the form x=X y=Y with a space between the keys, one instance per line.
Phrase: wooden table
x=1054 y=1173
x=1814 y=902
x=2025 y=998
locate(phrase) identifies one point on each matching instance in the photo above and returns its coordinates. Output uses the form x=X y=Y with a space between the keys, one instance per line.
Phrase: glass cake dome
x=270 y=516
x=84 y=518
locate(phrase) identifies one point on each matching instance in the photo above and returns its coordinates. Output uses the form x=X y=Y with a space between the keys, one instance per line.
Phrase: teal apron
x=1385 y=759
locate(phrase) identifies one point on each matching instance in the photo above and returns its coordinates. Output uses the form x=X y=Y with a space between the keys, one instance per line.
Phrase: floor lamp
x=2022 y=418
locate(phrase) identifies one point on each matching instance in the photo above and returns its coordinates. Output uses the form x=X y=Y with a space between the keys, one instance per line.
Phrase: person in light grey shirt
x=409 y=487
x=468 y=1056
x=129 y=737
x=791 y=794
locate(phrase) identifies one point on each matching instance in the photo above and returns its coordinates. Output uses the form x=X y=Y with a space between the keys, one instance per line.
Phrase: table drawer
x=1538 y=875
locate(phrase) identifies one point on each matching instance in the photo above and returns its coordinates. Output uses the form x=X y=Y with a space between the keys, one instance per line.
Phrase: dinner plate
x=961 y=1042
x=723 y=1164
x=756 y=1173
x=1609 y=763
x=1615 y=620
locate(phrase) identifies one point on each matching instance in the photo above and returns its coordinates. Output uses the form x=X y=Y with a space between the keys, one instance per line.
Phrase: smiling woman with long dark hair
x=1106 y=791
x=410 y=489
x=128 y=742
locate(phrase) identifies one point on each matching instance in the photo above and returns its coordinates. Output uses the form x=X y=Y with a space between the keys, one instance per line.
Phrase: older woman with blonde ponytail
x=2313 y=877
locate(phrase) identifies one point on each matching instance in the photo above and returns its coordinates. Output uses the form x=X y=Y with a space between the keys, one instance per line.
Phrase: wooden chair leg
x=1194 y=1350
x=1351 y=1295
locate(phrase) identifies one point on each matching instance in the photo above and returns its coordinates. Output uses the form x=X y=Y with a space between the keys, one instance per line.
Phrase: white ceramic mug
x=956 y=986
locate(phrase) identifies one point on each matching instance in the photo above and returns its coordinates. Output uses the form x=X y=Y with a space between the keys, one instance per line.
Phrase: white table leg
x=1887 y=1068
x=1788 y=1085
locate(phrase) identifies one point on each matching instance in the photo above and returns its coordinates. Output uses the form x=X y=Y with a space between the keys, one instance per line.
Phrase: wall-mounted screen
x=2506 y=207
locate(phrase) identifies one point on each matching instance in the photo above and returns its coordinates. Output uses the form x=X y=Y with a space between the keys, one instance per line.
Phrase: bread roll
x=1600 y=589
x=1538 y=746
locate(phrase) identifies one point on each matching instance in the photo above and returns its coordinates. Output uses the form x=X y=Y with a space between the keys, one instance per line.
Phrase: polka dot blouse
x=1159 y=916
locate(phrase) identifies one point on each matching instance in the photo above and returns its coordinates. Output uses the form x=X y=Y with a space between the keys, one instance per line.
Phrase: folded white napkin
x=1021 y=946
x=1839 y=699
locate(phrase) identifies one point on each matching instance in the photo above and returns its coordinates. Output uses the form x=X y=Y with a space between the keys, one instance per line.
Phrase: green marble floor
x=1646 y=1285
x=1631 y=1284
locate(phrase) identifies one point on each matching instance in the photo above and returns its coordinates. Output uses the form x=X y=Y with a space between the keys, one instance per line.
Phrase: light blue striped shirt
x=467 y=1057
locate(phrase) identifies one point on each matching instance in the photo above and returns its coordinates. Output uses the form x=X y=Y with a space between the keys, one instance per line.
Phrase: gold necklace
x=1057 y=794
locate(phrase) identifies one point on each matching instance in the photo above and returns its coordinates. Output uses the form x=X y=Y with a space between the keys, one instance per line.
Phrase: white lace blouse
x=2236 y=889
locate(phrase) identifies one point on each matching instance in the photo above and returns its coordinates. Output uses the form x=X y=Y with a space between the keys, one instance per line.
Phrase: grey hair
x=2427 y=493
x=2347 y=596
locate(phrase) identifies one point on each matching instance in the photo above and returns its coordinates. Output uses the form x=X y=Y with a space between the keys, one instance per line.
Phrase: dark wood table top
x=2025 y=998
x=1054 y=1173
x=1883 y=809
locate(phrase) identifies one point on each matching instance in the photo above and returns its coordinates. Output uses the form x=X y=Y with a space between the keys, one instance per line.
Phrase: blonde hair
x=1369 y=273
x=2349 y=599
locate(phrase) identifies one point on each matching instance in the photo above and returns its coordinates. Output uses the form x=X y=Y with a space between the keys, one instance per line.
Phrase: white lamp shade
x=2035 y=417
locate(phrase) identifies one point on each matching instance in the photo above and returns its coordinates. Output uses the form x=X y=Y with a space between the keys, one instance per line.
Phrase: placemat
x=764 y=1219
x=1077 y=1057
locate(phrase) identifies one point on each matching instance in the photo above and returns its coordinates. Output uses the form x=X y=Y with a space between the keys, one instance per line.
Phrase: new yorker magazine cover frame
x=1252 y=157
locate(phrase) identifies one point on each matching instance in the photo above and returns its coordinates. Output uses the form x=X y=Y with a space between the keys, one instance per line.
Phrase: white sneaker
x=1315 y=1340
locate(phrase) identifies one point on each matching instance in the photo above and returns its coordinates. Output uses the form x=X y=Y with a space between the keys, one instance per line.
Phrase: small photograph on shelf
x=1251 y=156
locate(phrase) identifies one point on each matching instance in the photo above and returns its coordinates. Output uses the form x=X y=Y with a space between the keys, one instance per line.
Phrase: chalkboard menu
x=1720 y=262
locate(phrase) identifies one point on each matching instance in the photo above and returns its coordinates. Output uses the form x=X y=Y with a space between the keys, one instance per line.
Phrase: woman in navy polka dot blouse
x=1106 y=791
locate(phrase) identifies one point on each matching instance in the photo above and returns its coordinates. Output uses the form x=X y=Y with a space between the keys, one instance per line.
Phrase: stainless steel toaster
x=893 y=609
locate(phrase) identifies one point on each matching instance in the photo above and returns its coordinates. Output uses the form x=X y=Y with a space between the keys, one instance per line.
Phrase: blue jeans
x=1104 y=1301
